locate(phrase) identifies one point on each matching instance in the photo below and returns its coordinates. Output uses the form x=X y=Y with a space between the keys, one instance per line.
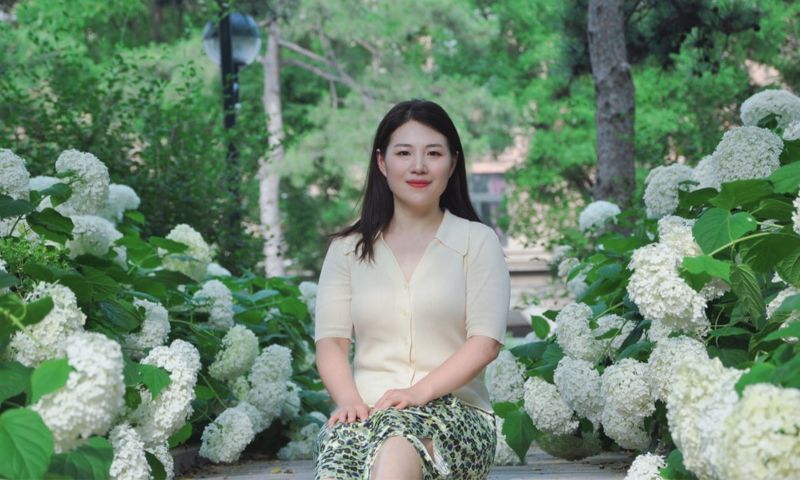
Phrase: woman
x=423 y=287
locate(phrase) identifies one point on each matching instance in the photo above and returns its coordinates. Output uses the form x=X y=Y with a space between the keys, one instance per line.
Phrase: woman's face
x=417 y=153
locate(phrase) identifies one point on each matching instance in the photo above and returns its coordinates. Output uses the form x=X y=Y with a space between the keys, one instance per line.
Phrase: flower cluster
x=266 y=382
x=120 y=198
x=14 y=177
x=46 y=339
x=579 y=385
x=193 y=261
x=662 y=187
x=92 y=235
x=239 y=351
x=505 y=378
x=308 y=293
x=596 y=214
x=90 y=185
x=226 y=437
x=216 y=299
x=157 y=419
x=549 y=412
x=627 y=401
x=153 y=332
x=701 y=396
x=301 y=444
x=575 y=336
x=93 y=396
x=646 y=466
x=214 y=269
x=760 y=436
x=792 y=132
x=777 y=301
x=668 y=353
x=705 y=174
x=746 y=153
x=784 y=105
x=129 y=462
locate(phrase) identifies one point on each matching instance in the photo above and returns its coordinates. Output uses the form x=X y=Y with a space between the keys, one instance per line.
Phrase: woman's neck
x=406 y=222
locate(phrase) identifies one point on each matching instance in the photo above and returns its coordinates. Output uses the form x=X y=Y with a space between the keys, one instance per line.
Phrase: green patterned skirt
x=464 y=441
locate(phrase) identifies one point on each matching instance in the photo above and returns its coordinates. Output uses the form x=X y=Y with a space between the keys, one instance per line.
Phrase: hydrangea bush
x=681 y=344
x=115 y=348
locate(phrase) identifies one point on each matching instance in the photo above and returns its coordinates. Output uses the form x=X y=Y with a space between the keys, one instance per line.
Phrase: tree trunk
x=614 y=93
x=268 y=178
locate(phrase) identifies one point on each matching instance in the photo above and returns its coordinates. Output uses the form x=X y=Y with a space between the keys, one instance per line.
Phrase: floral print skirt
x=464 y=441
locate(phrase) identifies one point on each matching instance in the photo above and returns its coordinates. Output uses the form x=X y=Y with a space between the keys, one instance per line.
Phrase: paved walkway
x=607 y=466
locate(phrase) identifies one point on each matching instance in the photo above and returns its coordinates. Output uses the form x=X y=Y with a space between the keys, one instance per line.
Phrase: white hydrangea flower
x=227 y=436
x=666 y=356
x=157 y=419
x=560 y=253
x=268 y=398
x=796 y=216
x=14 y=177
x=548 y=411
x=153 y=332
x=93 y=396
x=577 y=286
x=579 y=385
x=301 y=445
x=706 y=174
x=42 y=182
x=129 y=461
x=701 y=396
x=624 y=387
x=308 y=294
x=792 y=132
x=161 y=452
x=257 y=418
x=194 y=260
x=120 y=198
x=566 y=266
x=237 y=354
x=214 y=269
x=657 y=331
x=777 y=301
x=503 y=454
x=785 y=105
x=747 y=153
x=291 y=407
x=239 y=387
x=273 y=365
x=89 y=186
x=609 y=322
x=505 y=378
x=661 y=294
x=628 y=432
x=760 y=436
x=662 y=187
x=92 y=235
x=4 y=269
x=596 y=214
x=676 y=233
x=46 y=339
x=575 y=336
x=216 y=299
x=646 y=466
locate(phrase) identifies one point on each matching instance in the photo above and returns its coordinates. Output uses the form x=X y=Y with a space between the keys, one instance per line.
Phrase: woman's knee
x=396 y=458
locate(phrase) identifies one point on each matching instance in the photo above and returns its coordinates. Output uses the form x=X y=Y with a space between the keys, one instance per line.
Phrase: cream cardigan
x=404 y=330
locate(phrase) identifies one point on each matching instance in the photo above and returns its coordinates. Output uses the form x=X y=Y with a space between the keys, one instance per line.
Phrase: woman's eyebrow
x=426 y=146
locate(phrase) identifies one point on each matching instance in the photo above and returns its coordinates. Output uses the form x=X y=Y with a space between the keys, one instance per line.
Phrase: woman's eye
x=402 y=152
x=436 y=154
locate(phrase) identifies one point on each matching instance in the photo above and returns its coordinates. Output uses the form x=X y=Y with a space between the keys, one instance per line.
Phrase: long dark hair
x=377 y=206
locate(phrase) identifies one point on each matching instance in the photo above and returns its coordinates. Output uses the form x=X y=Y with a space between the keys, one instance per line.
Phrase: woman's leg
x=397 y=458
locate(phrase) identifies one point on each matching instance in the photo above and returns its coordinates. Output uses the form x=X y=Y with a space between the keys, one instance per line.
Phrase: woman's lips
x=419 y=184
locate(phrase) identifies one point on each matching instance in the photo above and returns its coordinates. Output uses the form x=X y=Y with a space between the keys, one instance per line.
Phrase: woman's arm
x=458 y=370
x=334 y=369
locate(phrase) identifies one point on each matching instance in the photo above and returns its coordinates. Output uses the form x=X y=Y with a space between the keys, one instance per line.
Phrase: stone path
x=607 y=466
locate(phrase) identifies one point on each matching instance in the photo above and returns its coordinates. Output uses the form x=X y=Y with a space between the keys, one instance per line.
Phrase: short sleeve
x=488 y=287
x=332 y=310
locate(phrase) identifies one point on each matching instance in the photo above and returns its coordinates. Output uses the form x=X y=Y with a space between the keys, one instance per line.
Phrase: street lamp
x=232 y=44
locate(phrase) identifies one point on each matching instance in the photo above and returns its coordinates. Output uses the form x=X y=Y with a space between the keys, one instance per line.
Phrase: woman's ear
x=381 y=161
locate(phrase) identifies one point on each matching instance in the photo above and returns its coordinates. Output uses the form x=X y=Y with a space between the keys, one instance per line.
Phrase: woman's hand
x=400 y=398
x=349 y=413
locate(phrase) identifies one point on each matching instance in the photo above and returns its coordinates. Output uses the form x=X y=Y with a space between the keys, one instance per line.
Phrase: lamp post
x=232 y=44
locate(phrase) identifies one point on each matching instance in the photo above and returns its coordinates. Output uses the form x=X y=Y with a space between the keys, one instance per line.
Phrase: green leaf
x=769 y=121
x=789 y=305
x=764 y=254
x=695 y=198
x=789 y=268
x=675 y=470
x=169 y=245
x=729 y=332
x=779 y=209
x=154 y=378
x=609 y=334
x=26 y=444
x=10 y=207
x=793 y=330
x=519 y=432
x=7 y=280
x=532 y=351
x=121 y=315
x=708 y=265
x=639 y=350
x=786 y=179
x=137 y=217
x=48 y=377
x=36 y=311
x=14 y=379
x=741 y=192
x=103 y=286
x=502 y=409
x=181 y=435
x=540 y=326
x=90 y=460
x=745 y=285
x=51 y=225
x=758 y=373
x=156 y=467
x=58 y=192
x=717 y=227
x=730 y=357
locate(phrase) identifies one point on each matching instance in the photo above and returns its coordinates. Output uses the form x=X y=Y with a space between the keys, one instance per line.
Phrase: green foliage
x=48 y=377
x=26 y=444
x=90 y=460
